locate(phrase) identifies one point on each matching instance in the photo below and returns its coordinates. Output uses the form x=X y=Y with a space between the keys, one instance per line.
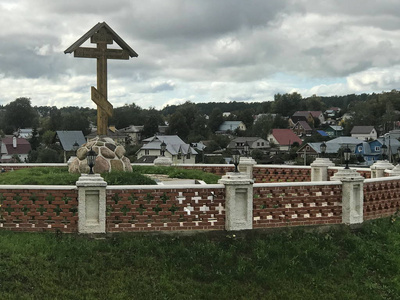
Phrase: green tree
x=178 y=126
x=20 y=114
x=263 y=126
x=48 y=137
x=150 y=126
x=215 y=119
x=34 y=140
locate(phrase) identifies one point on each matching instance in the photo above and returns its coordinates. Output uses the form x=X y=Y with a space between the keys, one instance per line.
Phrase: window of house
x=360 y=148
x=262 y=143
x=179 y=155
x=146 y=152
x=188 y=155
x=377 y=148
x=258 y=144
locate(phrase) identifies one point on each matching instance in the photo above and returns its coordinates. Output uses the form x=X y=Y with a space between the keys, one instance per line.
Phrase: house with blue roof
x=371 y=151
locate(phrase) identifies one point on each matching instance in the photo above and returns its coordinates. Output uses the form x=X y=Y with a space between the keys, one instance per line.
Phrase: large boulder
x=110 y=157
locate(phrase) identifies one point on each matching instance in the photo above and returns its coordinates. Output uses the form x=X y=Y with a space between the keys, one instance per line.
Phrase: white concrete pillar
x=239 y=201
x=352 y=195
x=395 y=171
x=378 y=168
x=319 y=169
x=91 y=203
x=246 y=165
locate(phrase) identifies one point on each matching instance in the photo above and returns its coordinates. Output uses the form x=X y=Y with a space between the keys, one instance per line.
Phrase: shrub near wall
x=39 y=209
x=155 y=208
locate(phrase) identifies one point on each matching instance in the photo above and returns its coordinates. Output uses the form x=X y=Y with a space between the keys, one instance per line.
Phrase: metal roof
x=68 y=139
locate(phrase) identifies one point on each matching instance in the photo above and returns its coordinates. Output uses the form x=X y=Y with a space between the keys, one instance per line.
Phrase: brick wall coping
x=380 y=179
x=165 y=187
x=283 y=166
x=352 y=168
x=294 y=184
x=38 y=187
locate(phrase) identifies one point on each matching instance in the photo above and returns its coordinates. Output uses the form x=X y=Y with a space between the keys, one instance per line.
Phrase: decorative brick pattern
x=165 y=209
x=381 y=198
x=215 y=169
x=264 y=174
x=279 y=206
x=39 y=210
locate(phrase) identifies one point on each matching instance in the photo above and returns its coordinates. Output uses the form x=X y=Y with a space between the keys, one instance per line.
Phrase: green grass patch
x=180 y=173
x=289 y=264
x=61 y=176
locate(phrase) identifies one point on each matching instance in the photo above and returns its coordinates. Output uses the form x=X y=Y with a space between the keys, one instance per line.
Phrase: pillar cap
x=382 y=165
x=347 y=175
x=91 y=180
x=236 y=178
x=322 y=162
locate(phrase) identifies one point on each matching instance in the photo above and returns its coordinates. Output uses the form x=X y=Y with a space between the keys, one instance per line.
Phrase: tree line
x=199 y=121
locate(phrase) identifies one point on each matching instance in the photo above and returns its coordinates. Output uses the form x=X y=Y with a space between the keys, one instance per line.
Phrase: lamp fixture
x=246 y=149
x=323 y=149
x=91 y=160
x=236 y=159
x=347 y=155
x=163 y=147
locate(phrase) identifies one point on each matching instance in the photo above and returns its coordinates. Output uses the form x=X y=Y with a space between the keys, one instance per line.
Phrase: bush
x=181 y=173
x=61 y=176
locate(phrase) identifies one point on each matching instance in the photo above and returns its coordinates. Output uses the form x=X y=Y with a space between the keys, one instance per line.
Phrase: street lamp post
x=91 y=159
x=384 y=151
x=163 y=147
x=236 y=158
x=323 y=149
x=246 y=149
x=347 y=155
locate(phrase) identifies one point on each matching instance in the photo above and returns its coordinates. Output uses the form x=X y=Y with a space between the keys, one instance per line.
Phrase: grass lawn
x=60 y=176
x=286 y=264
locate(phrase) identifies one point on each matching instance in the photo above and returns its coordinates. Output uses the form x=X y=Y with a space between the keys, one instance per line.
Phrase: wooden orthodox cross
x=102 y=35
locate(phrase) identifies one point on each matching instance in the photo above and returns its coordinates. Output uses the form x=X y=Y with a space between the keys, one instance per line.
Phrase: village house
x=14 y=149
x=176 y=149
x=283 y=139
x=364 y=133
x=231 y=126
x=301 y=128
x=253 y=142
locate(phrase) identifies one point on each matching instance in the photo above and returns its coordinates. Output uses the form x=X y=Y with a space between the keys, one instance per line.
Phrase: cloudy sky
x=200 y=50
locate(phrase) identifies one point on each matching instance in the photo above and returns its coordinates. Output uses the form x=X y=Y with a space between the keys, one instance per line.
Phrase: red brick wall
x=209 y=168
x=381 y=198
x=280 y=206
x=166 y=209
x=39 y=209
x=281 y=174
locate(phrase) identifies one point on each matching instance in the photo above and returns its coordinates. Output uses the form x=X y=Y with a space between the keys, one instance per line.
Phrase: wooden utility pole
x=101 y=35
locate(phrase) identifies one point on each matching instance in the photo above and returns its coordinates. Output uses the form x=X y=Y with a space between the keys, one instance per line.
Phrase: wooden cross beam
x=101 y=34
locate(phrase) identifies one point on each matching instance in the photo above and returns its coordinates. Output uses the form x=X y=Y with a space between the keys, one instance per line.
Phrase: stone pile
x=110 y=157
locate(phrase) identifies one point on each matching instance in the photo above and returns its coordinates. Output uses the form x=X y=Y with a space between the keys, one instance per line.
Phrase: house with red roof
x=12 y=147
x=283 y=138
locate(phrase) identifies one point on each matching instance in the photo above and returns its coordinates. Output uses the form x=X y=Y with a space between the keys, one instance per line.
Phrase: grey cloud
x=160 y=87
